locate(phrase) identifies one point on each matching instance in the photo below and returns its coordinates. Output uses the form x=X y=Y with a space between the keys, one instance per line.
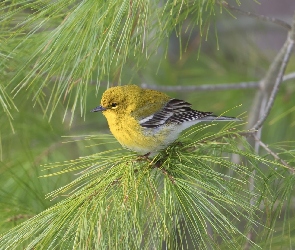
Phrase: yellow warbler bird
x=145 y=120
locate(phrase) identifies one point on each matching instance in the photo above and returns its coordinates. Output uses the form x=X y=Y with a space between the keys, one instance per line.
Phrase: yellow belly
x=142 y=140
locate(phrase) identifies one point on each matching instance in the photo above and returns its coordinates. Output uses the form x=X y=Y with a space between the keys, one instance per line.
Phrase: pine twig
x=212 y=87
x=275 y=73
x=256 y=16
x=18 y=217
x=275 y=156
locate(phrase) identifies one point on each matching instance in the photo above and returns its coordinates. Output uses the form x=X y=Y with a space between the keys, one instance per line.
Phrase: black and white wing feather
x=175 y=111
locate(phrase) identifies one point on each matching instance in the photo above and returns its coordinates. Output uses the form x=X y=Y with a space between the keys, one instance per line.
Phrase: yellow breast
x=131 y=135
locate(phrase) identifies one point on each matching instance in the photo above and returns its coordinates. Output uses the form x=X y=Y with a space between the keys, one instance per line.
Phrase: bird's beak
x=98 y=108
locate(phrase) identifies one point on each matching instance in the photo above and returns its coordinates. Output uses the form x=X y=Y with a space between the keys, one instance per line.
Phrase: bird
x=147 y=121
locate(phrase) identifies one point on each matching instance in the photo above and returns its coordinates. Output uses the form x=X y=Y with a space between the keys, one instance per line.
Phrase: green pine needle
x=185 y=197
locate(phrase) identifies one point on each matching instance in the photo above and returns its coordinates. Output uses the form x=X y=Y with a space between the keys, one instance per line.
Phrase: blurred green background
x=235 y=50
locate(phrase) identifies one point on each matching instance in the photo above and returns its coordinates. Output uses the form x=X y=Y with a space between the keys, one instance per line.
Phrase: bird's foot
x=144 y=157
x=158 y=164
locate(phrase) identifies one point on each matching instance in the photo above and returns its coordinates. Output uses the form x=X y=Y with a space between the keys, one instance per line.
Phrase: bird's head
x=119 y=100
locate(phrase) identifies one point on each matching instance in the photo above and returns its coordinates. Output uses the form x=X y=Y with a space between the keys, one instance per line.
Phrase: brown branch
x=18 y=217
x=275 y=156
x=46 y=152
x=212 y=87
x=256 y=16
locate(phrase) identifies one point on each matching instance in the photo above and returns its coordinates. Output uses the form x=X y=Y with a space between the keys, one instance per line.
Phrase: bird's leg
x=169 y=175
x=144 y=157
x=147 y=154
x=158 y=164
x=179 y=143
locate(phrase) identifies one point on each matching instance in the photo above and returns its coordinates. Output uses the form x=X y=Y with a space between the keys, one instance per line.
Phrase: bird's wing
x=174 y=111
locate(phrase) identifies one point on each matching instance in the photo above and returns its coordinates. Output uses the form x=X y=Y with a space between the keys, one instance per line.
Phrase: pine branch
x=256 y=16
x=212 y=87
x=263 y=103
x=273 y=78
x=268 y=150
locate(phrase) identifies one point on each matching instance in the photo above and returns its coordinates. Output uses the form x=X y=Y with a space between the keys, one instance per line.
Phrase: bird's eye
x=114 y=105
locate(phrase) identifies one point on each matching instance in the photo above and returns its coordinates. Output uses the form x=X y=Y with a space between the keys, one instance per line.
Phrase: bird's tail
x=220 y=118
